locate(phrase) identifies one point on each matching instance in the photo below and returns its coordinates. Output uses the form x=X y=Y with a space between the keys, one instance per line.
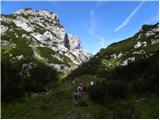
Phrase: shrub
x=104 y=90
x=123 y=109
x=40 y=76
x=16 y=85
x=11 y=85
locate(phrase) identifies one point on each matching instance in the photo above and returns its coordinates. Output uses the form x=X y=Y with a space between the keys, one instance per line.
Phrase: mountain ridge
x=43 y=29
x=36 y=50
x=141 y=45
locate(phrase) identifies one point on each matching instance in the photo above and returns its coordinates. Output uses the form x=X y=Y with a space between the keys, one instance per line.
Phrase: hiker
x=80 y=93
x=79 y=89
x=91 y=83
x=84 y=87
x=76 y=98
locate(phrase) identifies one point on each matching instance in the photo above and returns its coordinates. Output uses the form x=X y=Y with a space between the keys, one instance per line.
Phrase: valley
x=42 y=65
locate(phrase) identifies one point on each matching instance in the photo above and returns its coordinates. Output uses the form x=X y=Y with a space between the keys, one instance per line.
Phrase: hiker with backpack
x=79 y=88
x=78 y=93
x=76 y=98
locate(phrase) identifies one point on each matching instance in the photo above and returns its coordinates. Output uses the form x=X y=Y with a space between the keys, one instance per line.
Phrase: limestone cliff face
x=45 y=36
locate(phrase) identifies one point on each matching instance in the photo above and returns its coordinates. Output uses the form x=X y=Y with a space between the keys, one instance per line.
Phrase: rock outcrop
x=43 y=34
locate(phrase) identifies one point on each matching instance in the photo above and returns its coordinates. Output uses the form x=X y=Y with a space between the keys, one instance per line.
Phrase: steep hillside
x=37 y=53
x=125 y=85
x=142 y=45
x=36 y=50
x=120 y=90
x=125 y=76
x=41 y=34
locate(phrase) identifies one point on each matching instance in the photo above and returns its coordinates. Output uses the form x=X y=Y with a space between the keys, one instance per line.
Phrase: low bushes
x=104 y=91
x=16 y=85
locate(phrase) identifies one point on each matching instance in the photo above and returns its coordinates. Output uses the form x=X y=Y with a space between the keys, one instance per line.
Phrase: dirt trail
x=70 y=115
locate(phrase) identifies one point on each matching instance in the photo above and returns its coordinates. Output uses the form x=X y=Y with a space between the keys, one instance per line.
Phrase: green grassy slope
x=129 y=91
x=104 y=59
x=121 y=99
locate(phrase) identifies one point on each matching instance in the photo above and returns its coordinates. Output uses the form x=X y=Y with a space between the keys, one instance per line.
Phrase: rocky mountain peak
x=45 y=36
x=74 y=42
x=42 y=13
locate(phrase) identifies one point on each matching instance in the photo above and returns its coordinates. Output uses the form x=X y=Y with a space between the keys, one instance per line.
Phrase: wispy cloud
x=130 y=16
x=92 y=26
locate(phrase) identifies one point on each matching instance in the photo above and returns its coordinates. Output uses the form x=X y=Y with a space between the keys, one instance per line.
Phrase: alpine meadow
x=79 y=60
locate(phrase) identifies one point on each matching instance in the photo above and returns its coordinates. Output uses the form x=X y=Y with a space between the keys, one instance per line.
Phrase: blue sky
x=96 y=23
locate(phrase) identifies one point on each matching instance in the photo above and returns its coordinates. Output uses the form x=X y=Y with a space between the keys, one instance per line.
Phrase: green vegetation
x=50 y=56
x=58 y=25
x=32 y=89
x=17 y=81
x=122 y=94
x=129 y=91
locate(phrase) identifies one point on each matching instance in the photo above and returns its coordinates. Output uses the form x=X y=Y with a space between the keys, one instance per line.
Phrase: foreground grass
x=58 y=103
x=50 y=105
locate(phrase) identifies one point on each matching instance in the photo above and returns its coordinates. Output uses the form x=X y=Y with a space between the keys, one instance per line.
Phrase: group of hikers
x=81 y=88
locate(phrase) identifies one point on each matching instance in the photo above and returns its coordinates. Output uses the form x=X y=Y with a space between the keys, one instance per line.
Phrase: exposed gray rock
x=43 y=29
